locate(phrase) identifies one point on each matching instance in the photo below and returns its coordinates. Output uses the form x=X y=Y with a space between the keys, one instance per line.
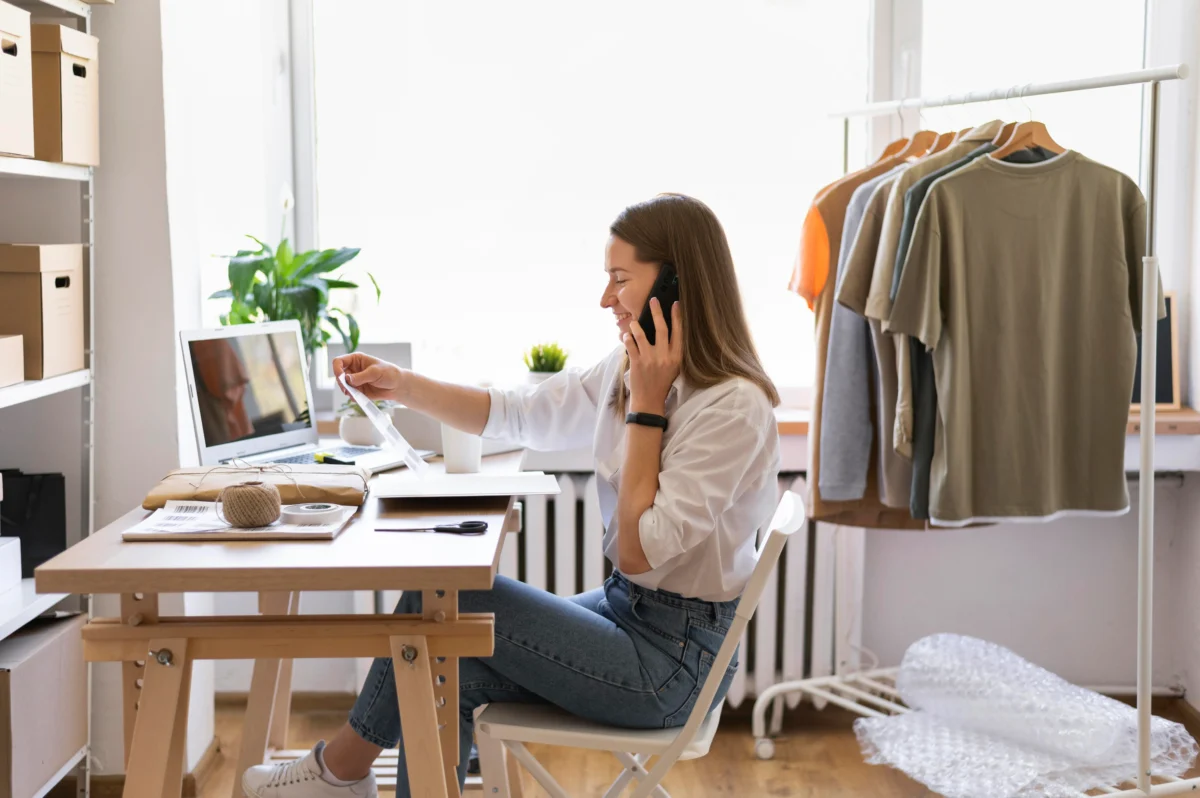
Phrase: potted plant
x=544 y=361
x=277 y=283
x=355 y=428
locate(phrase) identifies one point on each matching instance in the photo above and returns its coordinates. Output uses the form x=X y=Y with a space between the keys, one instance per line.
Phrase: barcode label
x=189 y=509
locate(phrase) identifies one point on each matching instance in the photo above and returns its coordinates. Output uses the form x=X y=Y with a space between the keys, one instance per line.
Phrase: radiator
x=809 y=622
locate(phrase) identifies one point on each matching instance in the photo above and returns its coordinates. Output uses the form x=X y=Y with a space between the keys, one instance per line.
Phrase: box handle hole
x=80 y=70
x=8 y=46
x=62 y=282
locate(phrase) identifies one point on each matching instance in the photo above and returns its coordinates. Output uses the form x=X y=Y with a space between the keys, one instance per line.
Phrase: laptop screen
x=249 y=386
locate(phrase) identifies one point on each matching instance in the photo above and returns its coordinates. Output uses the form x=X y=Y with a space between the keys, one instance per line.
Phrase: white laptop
x=251 y=399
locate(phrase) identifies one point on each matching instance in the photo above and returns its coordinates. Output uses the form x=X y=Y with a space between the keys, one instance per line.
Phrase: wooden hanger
x=891 y=149
x=920 y=143
x=1005 y=134
x=1027 y=134
x=943 y=141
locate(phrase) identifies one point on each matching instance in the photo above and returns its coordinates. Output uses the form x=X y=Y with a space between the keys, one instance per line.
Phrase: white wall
x=1063 y=595
x=137 y=361
x=1181 y=260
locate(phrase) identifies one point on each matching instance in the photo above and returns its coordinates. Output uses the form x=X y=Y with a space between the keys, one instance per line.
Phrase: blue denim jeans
x=620 y=655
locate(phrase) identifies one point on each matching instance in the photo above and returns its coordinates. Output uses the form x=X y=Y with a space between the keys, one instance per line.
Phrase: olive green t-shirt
x=1024 y=280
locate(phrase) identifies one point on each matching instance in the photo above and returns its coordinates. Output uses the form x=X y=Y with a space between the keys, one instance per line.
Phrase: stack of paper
x=187 y=520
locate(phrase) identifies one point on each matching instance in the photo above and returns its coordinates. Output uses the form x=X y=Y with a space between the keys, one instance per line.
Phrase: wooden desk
x=157 y=652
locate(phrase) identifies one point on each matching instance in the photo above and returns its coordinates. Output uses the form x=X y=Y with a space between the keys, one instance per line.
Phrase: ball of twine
x=249 y=504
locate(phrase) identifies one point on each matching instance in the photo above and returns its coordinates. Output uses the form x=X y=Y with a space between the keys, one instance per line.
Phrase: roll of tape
x=311 y=513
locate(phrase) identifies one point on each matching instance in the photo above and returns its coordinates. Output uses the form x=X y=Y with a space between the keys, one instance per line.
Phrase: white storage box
x=43 y=703
x=10 y=563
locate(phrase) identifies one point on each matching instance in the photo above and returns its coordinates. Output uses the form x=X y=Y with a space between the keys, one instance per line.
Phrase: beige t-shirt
x=1025 y=282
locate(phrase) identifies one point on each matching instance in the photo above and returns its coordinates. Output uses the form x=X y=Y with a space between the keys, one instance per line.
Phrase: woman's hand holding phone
x=653 y=367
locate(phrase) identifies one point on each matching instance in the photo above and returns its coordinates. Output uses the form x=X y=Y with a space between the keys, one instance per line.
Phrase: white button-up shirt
x=718 y=473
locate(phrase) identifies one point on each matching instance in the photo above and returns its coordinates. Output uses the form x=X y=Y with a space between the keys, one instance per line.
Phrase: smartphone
x=666 y=288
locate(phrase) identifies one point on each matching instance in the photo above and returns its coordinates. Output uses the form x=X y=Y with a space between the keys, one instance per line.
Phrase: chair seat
x=545 y=723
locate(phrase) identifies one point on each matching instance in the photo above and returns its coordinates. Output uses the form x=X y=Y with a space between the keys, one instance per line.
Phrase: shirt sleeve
x=879 y=303
x=918 y=308
x=722 y=454
x=554 y=415
x=812 y=263
x=854 y=282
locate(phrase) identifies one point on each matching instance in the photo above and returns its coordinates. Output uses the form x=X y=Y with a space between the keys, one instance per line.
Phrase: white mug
x=462 y=452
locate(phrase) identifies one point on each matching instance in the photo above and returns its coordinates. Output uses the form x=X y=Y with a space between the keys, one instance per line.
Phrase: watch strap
x=647 y=420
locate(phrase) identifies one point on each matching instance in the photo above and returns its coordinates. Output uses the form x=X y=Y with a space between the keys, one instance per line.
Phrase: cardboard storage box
x=43 y=703
x=16 y=82
x=12 y=360
x=41 y=298
x=66 y=95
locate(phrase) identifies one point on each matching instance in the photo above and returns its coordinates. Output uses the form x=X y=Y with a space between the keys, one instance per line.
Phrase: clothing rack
x=866 y=693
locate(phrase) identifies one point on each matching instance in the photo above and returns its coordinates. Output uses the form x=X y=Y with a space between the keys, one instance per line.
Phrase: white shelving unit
x=35 y=389
x=28 y=167
x=22 y=604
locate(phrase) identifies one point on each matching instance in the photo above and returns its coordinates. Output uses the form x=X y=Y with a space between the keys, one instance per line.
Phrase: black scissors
x=461 y=528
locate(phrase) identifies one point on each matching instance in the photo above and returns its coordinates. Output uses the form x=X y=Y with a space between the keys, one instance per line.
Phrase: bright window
x=477 y=152
x=970 y=44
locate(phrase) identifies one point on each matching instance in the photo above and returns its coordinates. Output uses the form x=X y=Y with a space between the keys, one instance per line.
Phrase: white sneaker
x=302 y=779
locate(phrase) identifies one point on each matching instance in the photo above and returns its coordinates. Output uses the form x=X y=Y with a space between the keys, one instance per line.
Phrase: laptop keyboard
x=347 y=453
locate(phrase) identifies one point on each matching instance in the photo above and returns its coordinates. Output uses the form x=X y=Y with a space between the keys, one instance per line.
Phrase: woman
x=681 y=508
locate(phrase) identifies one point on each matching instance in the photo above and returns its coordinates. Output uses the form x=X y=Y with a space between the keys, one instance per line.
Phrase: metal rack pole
x=1145 y=634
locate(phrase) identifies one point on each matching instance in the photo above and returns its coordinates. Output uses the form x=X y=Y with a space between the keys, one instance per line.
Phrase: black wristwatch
x=647 y=420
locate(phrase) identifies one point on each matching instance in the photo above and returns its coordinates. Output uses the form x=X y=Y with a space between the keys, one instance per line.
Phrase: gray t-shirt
x=847 y=430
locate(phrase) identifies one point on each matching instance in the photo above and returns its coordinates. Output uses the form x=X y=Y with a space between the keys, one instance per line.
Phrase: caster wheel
x=764 y=748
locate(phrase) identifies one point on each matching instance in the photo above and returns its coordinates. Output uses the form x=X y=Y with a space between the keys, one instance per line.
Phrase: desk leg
x=442 y=606
x=282 y=713
x=418 y=718
x=260 y=705
x=136 y=609
x=177 y=764
x=150 y=758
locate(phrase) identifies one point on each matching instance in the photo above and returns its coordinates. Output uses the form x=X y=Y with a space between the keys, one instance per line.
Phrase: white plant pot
x=537 y=377
x=359 y=431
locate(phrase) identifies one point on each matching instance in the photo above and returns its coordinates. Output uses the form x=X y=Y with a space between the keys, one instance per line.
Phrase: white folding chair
x=501 y=727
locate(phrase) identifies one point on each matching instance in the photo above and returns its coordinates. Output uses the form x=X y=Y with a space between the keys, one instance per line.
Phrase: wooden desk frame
x=157 y=652
x=157 y=655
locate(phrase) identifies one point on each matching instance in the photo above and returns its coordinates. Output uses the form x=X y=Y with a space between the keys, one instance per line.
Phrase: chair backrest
x=789 y=517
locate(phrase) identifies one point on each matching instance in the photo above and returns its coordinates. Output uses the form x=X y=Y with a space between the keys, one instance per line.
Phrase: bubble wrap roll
x=987 y=722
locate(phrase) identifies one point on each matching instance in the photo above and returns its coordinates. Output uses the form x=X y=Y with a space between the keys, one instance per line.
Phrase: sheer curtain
x=477 y=152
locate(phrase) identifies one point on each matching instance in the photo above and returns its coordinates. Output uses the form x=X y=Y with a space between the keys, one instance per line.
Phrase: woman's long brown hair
x=716 y=339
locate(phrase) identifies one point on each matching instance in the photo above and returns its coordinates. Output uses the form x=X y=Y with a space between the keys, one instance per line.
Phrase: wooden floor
x=818 y=757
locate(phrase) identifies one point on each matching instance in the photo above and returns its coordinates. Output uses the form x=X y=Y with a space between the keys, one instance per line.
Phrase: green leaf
x=328 y=260
x=265 y=301
x=378 y=293
x=224 y=293
x=319 y=285
x=332 y=284
x=305 y=299
x=302 y=261
x=241 y=273
x=354 y=333
x=263 y=249
x=333 y=322
x=284 y=257
x=239 y=313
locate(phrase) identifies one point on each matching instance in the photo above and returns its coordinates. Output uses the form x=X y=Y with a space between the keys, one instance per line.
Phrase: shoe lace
x=293 y=772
